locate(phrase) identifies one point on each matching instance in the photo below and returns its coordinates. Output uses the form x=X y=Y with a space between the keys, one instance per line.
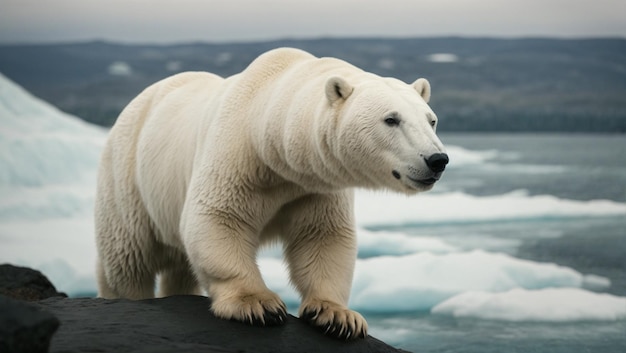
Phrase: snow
x=546 y=305
x=48 y=162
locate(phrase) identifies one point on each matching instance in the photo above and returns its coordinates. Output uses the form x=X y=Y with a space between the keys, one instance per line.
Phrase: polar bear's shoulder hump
x=278 y=59
x=285 y=54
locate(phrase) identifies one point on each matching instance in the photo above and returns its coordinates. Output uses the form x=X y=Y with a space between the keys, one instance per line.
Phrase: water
x=425 y=333
x=574 y=167
x=578 y=167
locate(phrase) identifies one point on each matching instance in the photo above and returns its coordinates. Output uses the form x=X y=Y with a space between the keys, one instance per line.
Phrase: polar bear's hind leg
x=126 y=263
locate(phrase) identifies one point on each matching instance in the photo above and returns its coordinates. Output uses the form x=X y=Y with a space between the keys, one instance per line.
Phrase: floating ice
x=463 y=157
x=552 y=304
x=381 y=243
x=375 y=208
x=420 y=281
x=394 y=243
x=596 y=283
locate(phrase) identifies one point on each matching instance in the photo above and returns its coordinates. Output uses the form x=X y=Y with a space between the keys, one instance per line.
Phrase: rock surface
x=24 y=327
x=25 y=284
x=173 y=324
x=181 y=324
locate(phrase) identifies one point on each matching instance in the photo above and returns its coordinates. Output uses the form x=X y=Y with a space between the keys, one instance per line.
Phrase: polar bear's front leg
x=320 y=247
x=223 y=255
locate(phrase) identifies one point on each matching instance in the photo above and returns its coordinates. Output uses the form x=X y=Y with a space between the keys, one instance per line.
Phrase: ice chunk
x=551 y=304
x=48 y=163
x=379 y=243
x=394 y=243
x=463 y=157
x=375 y=208
x=420 y=281
x=594 y=282
x=40 y=145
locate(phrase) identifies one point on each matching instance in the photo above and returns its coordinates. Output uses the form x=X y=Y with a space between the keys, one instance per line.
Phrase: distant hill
x=479 y=84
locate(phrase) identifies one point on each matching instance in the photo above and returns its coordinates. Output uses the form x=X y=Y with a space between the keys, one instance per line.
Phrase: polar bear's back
x=152 y=145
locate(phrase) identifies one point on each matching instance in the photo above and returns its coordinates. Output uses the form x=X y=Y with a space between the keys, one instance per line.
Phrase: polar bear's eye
x=392 y=120
x=432 y=119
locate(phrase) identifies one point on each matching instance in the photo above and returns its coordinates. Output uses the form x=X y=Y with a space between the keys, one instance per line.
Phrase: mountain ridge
x=483 y=84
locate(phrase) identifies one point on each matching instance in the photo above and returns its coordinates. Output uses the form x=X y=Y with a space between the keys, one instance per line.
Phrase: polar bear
x=199 y=171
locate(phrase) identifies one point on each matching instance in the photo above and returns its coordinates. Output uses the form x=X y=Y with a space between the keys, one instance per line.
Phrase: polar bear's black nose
x=437 y=162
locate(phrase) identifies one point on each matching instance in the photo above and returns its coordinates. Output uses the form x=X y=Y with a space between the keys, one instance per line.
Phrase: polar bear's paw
x=257 y=309
x=334 y=320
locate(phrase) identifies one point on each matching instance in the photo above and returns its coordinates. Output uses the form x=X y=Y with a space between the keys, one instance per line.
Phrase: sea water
x=519 y=248
x=566 y=167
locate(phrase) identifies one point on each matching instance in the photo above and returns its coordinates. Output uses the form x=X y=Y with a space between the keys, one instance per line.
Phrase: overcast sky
x=163 y=21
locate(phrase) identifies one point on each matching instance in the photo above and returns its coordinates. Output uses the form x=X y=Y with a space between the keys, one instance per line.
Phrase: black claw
x=348 y=334
x=269 y=318
x=333 y=329
x=256 y=321
x=275 y=318
x=336 y=330
x=309 y=314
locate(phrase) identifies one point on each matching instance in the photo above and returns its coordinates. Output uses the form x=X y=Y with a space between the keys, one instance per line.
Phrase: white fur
x=199 y=171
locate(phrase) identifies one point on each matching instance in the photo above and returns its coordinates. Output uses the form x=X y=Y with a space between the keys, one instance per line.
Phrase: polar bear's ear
x=338 y=88
x=422 y=86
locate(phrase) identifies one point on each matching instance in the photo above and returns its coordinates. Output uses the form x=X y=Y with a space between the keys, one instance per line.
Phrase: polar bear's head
x=386 y=132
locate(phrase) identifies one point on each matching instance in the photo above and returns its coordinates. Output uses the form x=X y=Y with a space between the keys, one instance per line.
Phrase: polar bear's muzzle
x=436 y=164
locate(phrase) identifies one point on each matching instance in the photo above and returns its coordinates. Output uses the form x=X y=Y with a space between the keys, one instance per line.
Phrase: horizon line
x=305 y=38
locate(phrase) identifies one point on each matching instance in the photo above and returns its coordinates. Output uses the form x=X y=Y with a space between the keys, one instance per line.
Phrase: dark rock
x=24 y=327
x=181 y=324
x=25 y=284
x=173 y=324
